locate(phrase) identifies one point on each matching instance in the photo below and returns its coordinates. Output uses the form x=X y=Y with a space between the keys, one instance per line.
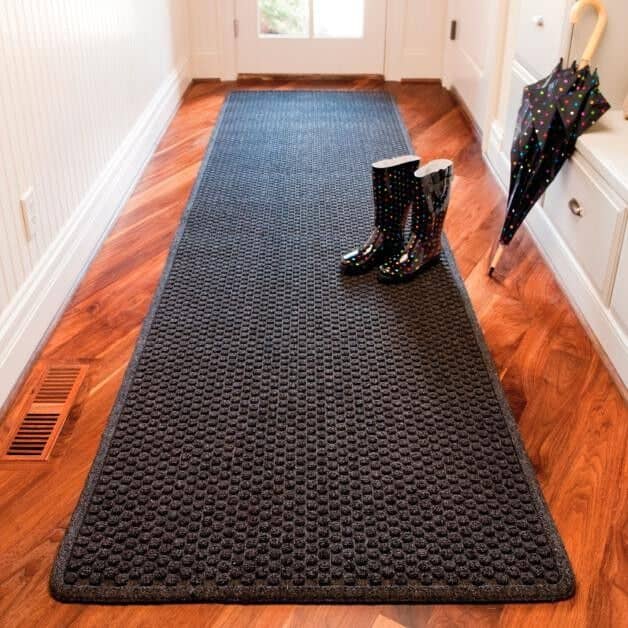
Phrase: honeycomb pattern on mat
x=289 y=433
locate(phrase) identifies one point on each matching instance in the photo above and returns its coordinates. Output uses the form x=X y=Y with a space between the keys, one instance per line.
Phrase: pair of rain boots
x=399 y=187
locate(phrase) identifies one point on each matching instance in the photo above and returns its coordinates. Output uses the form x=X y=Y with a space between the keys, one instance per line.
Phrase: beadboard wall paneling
x=86 y=89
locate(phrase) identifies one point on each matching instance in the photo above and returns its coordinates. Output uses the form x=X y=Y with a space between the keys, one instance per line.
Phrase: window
x=311 y=18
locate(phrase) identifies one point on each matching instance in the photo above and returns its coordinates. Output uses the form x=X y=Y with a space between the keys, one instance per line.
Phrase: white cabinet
x=619 y=301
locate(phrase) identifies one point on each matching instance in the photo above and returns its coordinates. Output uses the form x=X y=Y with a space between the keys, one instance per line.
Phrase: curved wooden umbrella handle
x=600 y=25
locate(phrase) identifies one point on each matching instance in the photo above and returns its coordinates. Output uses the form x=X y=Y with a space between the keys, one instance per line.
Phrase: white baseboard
x=597 y=319
x=32 y=313
x=206 y=65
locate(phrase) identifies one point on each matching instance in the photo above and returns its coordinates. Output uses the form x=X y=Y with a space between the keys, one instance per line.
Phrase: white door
x=311 y=36
x=471 y=53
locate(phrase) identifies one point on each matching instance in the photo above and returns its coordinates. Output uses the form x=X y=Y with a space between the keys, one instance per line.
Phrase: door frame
x=226 y=46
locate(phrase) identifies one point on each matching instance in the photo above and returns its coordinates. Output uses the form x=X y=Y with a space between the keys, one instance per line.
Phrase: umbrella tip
x=495 y=259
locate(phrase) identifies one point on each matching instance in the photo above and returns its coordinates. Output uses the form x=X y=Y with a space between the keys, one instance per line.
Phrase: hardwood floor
x=572 y=417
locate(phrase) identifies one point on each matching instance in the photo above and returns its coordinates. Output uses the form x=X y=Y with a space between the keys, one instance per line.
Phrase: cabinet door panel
x=619 y=300
x=594 y=237
x=539 y=34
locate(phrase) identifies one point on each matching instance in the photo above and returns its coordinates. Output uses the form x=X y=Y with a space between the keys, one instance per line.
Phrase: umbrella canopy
x=554 y=112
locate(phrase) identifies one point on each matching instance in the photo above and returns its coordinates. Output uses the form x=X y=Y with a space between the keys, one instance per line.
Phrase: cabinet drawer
x=594 y=237
x=539 y=44
x=619 y=300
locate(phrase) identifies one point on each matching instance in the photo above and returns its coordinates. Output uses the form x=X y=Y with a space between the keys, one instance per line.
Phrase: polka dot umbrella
x=554 y=112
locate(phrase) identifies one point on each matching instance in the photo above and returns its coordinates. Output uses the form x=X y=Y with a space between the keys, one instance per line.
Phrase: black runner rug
x=287 y=434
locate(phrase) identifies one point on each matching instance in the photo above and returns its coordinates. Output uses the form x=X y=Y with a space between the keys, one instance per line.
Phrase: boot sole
x=354 y=272
x=407 y=278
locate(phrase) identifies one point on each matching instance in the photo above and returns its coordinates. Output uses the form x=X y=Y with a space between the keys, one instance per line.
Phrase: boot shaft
x=391 y=195
x=393 y=190
x=432 y=190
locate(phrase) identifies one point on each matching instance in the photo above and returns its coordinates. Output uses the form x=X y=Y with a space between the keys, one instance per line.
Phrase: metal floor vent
x=46 y=411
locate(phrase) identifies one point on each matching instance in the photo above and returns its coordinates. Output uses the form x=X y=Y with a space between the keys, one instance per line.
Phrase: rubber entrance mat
x=287 y=434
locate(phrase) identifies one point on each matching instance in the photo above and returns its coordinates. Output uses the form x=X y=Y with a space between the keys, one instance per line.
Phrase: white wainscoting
x=79 y=131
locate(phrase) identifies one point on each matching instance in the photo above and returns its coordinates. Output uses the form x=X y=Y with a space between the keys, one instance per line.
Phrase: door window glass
x=284 y=18
x=340 y=19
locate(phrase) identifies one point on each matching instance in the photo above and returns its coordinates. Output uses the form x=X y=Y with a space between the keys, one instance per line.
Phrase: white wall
x=86 y=89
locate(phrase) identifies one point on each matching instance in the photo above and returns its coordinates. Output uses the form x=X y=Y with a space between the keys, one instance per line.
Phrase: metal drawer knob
x=575 y=207
x=539 y=20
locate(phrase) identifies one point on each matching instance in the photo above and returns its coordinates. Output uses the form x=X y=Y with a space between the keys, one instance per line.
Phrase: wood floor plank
x=573 y=419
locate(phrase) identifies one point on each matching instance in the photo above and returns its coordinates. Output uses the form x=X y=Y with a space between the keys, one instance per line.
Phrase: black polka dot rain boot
x=432 y=187
x=392 y=190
